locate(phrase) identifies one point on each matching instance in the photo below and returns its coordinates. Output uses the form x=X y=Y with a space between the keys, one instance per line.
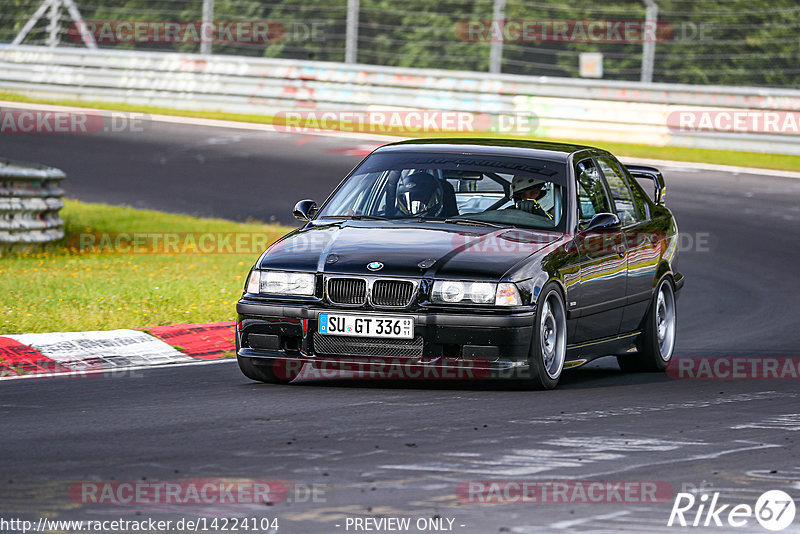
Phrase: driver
x=527 y=192
x=419 y=194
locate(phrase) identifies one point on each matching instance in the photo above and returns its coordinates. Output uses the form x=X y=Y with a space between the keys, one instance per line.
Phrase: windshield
x=470 y=189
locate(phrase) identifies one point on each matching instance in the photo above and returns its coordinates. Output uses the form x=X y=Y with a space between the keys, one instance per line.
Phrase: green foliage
x=735 y=42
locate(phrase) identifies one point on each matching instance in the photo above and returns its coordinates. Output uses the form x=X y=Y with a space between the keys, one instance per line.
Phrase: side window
x=623 y=200
x=639 y=199
x=592 y=197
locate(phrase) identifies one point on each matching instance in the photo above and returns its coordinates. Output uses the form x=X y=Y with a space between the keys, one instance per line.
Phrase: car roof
x=545 y=150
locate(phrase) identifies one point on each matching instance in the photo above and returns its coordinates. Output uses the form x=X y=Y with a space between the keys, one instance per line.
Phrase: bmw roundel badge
x=374 y=266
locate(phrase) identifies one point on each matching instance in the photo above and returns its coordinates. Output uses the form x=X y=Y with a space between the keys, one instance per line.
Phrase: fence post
x=208 y=24
x=496 y=44
x=649 y=46
x=351 y=33
x=54 y=25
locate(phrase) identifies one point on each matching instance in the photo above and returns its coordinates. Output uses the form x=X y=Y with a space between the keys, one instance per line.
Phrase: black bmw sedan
x=469 y=258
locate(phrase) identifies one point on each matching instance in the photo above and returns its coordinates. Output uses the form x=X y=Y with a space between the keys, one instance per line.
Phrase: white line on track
x=630 y=467
x=121 y=371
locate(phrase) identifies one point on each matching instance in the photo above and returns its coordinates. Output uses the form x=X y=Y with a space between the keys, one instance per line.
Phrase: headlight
x=302 y=283
x=281 y=283
x=453 y=292
x=450 y=291
x=274 y=282
x=482 y=292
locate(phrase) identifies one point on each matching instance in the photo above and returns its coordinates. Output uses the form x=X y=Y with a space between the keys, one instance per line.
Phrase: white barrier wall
x=740 y=118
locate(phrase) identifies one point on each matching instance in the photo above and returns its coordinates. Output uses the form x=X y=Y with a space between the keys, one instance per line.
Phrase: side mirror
x=304 y=210
x=653 y=174
x=603 y=221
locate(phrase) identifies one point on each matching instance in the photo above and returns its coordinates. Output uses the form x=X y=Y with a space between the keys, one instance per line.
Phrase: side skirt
x=582 y=353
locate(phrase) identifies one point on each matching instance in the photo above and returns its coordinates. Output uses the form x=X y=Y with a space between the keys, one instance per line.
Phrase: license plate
x=379 y=326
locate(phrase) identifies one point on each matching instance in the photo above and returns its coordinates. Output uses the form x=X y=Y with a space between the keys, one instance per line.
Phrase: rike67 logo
x=774 y=510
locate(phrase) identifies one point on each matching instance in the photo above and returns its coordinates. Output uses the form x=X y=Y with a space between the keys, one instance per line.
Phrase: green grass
x=721 y=157
x=62 y=288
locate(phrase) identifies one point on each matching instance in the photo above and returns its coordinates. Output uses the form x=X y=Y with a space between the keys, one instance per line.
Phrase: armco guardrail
x=30 y=198
x=565 y=108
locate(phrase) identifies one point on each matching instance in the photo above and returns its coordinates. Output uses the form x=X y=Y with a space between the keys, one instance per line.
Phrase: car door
x=641 y=241
x=602 y=260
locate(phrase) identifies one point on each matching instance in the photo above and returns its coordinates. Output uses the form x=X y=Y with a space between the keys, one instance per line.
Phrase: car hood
x=405 y=249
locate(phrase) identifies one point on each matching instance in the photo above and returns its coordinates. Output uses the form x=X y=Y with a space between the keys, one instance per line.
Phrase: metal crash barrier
x=30 y=199
x=747 y=119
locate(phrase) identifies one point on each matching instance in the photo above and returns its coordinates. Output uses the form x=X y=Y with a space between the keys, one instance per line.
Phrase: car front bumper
x=289 y=331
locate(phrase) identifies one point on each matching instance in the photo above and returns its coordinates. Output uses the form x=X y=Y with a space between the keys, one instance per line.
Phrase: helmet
x=520 y=184
x=523 y=184
x=419 y=194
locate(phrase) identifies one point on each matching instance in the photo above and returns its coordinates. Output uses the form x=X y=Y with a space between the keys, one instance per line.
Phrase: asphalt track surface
x=379 y=448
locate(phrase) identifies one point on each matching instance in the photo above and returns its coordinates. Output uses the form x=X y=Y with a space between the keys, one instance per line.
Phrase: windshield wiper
x=475 y=222
x=368 y=218
x=356 y=217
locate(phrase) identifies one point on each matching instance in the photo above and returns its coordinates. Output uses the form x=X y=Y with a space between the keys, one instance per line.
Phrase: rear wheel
x=269 y=371
x=549 y=344
x=657 y=342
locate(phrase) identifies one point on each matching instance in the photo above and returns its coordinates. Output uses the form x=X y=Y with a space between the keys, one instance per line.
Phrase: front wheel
x=657 y=342
x=549 y=344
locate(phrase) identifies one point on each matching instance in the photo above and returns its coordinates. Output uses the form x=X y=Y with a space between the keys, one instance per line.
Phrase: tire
x=549 y=341
x=657 y=343
x=269 y=371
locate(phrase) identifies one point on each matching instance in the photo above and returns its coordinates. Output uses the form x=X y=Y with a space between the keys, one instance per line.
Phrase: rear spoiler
x=651 y=173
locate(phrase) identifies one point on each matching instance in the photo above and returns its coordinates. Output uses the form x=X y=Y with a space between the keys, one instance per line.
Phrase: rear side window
x=592 y=198
x=639 y=199
x=620 y=192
